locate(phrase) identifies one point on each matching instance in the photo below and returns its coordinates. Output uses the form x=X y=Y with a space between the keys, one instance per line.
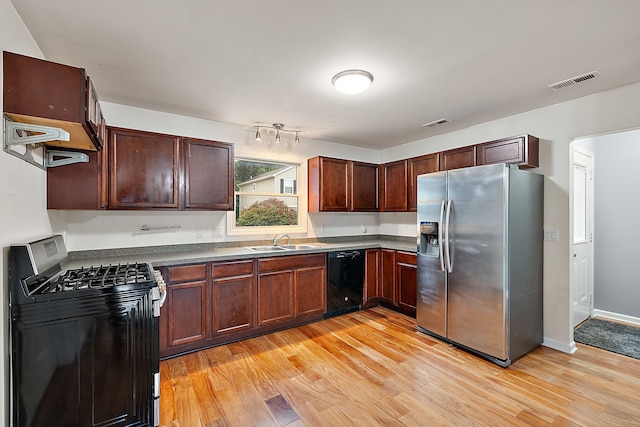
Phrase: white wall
x=556 y=126
x=616 y=231
x=22 y=194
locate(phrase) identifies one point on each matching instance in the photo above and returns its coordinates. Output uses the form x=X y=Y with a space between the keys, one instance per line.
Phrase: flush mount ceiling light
x=352 y=81
x=279 y=127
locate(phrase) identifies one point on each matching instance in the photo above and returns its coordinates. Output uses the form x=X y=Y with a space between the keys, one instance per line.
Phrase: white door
x=582 y=261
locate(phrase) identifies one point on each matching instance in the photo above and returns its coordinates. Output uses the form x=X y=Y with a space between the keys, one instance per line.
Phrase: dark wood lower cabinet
x=184 y=317
x=387 y=275
x=276 y=292
x=233 y=297
x=215 y=303
x=291 y=288
x=371 y=278
x=390 y=280
x=406 y=282
x=311 y=291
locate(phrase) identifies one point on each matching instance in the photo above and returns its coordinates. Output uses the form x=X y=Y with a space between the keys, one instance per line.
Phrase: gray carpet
x=611 y=336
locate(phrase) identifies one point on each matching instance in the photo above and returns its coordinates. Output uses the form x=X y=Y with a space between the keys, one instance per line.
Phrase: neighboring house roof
x=267 y=175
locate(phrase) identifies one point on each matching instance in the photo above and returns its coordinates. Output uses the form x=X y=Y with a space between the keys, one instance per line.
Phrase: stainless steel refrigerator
x=480 y=234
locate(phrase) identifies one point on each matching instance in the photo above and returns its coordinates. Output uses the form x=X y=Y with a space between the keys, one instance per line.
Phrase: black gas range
x=84 y=342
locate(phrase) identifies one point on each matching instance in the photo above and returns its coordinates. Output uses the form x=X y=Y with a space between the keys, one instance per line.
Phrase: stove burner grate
x=98 y=277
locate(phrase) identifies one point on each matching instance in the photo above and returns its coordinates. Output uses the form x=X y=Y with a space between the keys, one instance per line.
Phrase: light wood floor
x=373 y=368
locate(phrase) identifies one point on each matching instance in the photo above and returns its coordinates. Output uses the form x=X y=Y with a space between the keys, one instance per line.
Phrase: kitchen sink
x=277 y=248
x=299 y=247
x=267 y=248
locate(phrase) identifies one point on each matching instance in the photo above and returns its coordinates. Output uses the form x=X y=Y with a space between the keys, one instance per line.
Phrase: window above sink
x=267 y=199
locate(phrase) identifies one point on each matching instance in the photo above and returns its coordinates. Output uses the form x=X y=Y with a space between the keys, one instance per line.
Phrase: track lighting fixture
x=279 y=127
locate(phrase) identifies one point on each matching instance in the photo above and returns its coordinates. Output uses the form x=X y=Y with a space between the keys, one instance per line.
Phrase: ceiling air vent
x=574 y=80
x=435 y=123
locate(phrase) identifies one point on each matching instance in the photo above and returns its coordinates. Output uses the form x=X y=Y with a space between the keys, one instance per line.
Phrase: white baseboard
x=560 y=346
x=616 y=316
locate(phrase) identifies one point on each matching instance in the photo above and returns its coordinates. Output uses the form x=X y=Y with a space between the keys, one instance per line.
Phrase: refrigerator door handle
x=441 y=248
x=446 y=236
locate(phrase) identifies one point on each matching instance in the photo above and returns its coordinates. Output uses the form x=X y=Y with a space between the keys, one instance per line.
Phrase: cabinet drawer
x=187 y=272
x=228 y=269
x=291 y=262
x=406 y=258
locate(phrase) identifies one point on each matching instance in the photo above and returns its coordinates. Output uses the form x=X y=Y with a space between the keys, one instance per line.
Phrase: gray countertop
x=167 y=256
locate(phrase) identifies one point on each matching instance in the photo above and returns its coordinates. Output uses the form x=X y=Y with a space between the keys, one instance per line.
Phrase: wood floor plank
x=373 y=368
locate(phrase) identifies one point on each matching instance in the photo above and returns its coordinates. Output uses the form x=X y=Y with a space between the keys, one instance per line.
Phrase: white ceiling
x=252 y=62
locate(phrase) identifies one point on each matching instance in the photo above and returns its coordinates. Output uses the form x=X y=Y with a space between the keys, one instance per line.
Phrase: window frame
x=270 y=230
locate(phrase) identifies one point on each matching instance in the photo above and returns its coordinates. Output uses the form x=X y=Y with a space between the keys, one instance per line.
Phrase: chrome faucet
x=276 y=238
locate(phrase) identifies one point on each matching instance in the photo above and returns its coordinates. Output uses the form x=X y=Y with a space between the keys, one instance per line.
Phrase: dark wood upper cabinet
x=418 y=166
x=143 y=170
x=520 y=150
x=336 y=185
x=458 y=158
x=95 y=119
x=393 y=186
x=79 y=185
x=46 y=93
x=208 y=174
x=363 y=187
x=328 y=187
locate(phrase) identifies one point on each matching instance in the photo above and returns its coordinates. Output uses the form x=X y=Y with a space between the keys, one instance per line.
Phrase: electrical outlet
x=199 y=233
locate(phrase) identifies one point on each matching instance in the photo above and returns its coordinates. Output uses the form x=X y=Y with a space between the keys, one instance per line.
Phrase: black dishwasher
x=345 y=282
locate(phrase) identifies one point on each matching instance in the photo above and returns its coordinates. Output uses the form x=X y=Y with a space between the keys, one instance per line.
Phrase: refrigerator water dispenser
x=429 y=239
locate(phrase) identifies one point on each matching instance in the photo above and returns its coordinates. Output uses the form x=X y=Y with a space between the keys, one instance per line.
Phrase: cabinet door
x=49 y=94
x=184 y=322
x=311 y=291
x=363 y=178
x=393 y=186
x=328 y=189
x=406 y=271
x=79 y=185
x=187 y=312
x=519 y=150
x=276 y=294
x=143 y=170
x=387 y=276
x=208 y=169
x=418 y=166
x=233 y=296
x=233 y=304
x=94 y=117
x=371 y=278
x=459 y=158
